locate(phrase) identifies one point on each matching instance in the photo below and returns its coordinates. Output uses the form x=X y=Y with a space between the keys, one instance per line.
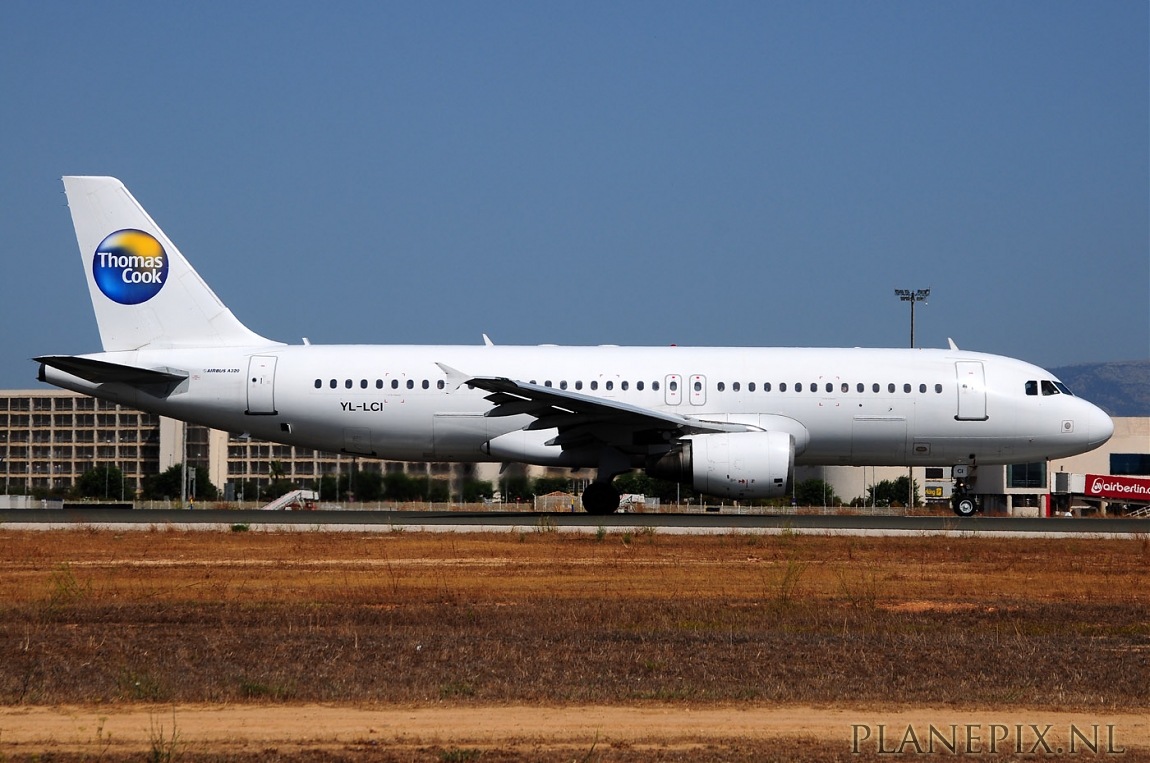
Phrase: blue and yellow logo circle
x=130 y=266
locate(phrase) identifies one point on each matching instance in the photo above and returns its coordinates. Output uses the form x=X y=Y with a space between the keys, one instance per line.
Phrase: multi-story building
x=49 y=438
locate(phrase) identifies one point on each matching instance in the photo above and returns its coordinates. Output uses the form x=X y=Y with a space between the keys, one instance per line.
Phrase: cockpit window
x=1032 y=387
x=1048 y=388
x=1063 y=388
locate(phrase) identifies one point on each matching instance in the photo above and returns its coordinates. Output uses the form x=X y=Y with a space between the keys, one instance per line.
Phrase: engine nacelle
x=731 y=465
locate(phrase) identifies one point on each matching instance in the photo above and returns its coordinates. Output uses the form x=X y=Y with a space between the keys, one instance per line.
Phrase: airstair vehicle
x=299 y=500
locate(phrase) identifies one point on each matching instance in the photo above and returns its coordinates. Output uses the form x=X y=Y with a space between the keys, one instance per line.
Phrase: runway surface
x=427 y=521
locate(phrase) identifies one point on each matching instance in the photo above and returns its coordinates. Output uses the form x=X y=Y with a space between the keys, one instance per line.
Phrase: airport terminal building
x=49 y=438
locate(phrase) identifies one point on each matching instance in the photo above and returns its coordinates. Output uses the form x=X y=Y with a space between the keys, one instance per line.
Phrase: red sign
x=1121 y=488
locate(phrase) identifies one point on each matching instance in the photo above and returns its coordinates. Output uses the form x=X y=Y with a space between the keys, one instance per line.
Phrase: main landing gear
x=600 y=498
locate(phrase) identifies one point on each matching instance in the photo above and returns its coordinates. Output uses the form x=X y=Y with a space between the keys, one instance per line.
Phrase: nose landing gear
x=963 y=501
x=965 y=506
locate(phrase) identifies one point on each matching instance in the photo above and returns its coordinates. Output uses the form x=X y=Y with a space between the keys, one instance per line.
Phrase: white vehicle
x=730 y=422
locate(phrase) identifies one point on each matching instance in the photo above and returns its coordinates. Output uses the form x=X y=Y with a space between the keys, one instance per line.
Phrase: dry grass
x=539 y=616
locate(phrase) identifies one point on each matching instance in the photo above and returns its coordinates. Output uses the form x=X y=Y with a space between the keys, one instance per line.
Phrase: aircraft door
x=673 y=389
x=261 y=385
x=971 y=390
x=698 y=390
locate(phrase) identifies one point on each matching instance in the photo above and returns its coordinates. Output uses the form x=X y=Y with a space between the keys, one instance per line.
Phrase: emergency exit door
x=698 y=389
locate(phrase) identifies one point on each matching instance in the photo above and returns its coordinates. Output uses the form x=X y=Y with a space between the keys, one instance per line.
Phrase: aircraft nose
x=1099 y=426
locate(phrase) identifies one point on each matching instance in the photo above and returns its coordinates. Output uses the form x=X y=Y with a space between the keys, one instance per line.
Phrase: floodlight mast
x=907 y=295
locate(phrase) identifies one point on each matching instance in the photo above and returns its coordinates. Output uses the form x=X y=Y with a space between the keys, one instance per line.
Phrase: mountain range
x=1121 y=388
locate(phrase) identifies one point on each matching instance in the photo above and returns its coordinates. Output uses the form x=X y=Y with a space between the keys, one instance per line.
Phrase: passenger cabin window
x=347 y=383
x=655 y=386
x=782 y=387
x=921 y=388
x=426 y=384
x=563 y=385
x=594 y=385
x=411 y=384
x=735 y=387
x=547 y=383
x=578 y=385
x=767 y=387
x=906 y=389
x=395 y=383
x=624 y=386
x=639 y=386
x=874 y=387
x=938 y=388
x=890 y=388
x=379 y=383
x=750 y=386
x=720 y=386
x=318 y=383
x=439 y=384
x=674 y=386
x=332 y=384
x=610 y=385
x=845 y=388
x=698 y=386
x=860 y=387
x=1048 y=388
x=363 y=383
x=830 y=387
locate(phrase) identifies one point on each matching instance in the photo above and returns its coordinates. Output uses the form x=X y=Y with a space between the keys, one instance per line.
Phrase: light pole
x=918 y=295
x=907 y=295
x=183 y=465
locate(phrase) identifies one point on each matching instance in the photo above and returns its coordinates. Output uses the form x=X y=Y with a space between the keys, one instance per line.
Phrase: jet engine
x=741 y=465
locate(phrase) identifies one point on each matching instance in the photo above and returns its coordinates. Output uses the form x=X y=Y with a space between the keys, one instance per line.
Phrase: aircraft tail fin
x=145 y=294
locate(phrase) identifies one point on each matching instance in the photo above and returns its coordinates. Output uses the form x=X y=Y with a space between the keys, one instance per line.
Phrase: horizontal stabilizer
x=103 y=372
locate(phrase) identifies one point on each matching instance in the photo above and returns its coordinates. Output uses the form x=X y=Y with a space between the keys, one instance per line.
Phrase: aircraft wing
x=583 y=418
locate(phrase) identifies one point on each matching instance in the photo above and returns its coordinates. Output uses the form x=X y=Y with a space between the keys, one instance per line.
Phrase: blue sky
x=582 y=173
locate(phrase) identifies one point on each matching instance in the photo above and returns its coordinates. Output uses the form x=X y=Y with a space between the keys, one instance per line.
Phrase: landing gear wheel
x=600 y=498
x=964 y=506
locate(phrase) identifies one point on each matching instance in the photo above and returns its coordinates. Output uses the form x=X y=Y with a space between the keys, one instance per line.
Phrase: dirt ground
x=540 y=645
x=550 y=731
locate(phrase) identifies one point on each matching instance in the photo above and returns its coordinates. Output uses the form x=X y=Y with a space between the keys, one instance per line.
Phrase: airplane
x=730 y=422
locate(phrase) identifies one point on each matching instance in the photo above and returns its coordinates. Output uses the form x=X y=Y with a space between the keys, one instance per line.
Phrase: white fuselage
x=844 y=406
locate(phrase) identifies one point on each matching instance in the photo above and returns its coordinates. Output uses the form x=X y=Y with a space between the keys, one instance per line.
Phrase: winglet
x=953 y=346
x=487 y=341
x=455 y=378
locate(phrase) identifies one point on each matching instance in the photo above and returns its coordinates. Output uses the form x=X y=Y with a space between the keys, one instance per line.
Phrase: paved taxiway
x=384 y=521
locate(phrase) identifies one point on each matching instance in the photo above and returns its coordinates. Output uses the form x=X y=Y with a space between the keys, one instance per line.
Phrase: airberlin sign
x=1122 y=488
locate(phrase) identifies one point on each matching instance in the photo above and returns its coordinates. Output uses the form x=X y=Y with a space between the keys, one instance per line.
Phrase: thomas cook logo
x=130 y=267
